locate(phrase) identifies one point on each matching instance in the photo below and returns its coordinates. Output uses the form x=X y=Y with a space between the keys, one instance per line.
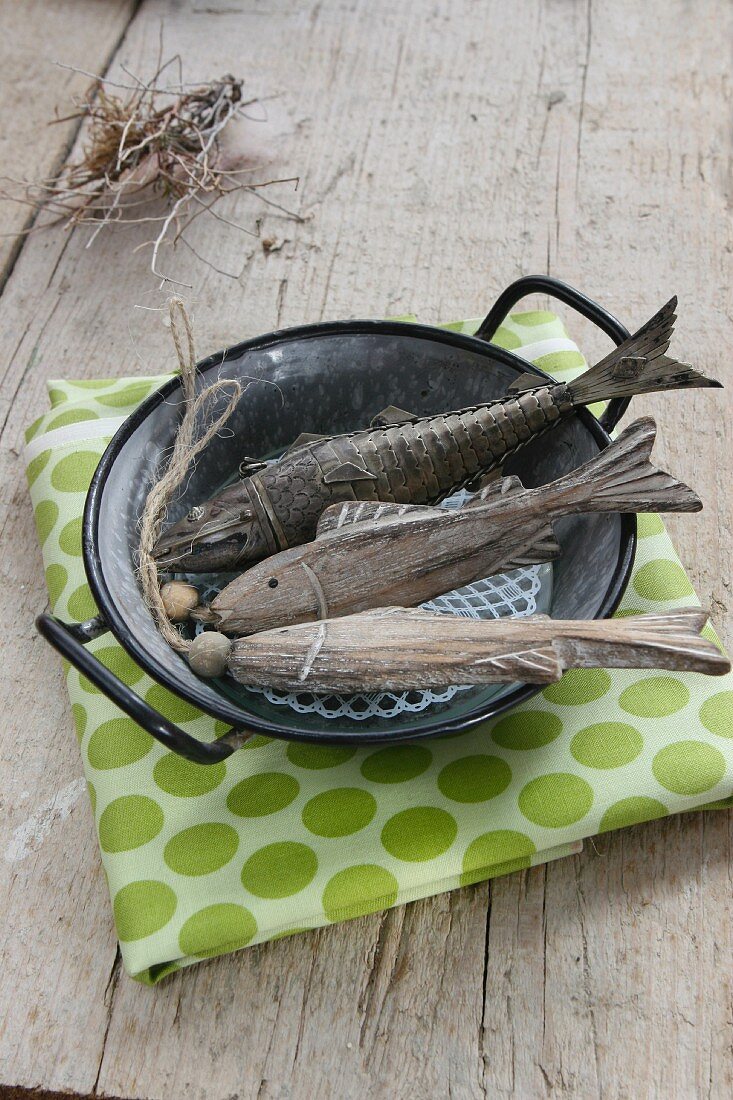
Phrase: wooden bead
x=209 y=653
x=179 y=600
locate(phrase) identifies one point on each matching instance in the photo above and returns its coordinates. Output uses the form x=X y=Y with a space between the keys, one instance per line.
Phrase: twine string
x=186 y=447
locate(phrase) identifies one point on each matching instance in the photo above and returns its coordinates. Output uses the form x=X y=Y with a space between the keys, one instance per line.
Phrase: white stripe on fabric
x=535 y=351
x=73 y=433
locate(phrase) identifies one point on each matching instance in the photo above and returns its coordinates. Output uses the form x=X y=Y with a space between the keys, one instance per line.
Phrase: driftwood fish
x=370 y=555
x=398 y=649
x=418 y=460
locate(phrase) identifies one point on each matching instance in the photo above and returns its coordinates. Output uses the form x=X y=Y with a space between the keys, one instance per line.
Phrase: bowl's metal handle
x=545 y=284
x=69 y=639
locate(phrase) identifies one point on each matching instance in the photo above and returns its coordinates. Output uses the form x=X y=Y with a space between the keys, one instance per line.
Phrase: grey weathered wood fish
x=370 y=555
x=397 y=649
x=418 y=460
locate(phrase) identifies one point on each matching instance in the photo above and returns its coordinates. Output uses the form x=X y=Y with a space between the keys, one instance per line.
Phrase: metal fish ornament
x=374 y=555
x=397 y=649
x=417 y=460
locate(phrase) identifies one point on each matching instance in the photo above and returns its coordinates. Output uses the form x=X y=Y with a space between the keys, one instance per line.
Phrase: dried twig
x=158 y=141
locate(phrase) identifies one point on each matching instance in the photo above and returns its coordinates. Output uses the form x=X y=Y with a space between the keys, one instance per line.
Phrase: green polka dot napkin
x=285 y=837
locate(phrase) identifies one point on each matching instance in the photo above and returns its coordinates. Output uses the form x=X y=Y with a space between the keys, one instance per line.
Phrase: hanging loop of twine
x=185 y=449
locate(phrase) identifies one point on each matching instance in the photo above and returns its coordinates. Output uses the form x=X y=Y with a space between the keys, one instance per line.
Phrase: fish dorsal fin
x=391 y=415
x=525 y=382
x=498 y=490
x=362 y=511
x=303 y=440
x=544 y=547
x=348 y=471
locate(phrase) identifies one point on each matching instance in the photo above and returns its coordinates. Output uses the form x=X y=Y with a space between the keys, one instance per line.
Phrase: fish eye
x=196 y=514
x=272 y=583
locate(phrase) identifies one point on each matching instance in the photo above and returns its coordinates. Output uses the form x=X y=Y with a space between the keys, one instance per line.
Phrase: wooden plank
x=35 y=34
x=443 y=150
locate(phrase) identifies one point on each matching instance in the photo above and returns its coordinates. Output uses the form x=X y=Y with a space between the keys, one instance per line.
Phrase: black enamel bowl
x=328 y=378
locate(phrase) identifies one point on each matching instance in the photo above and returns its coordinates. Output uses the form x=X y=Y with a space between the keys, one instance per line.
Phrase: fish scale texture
x=417 y=462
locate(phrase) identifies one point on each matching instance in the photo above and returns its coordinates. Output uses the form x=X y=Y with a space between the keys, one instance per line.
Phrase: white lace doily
x=514 y=593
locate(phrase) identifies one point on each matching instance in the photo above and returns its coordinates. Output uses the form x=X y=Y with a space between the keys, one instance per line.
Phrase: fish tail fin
x=639 y=365
x=668 y=640
x=622 y=479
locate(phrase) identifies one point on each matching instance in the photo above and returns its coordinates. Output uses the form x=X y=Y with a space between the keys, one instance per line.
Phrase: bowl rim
x=228 y=711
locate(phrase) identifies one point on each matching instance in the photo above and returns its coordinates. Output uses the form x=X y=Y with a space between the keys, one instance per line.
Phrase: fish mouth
x=171 y=548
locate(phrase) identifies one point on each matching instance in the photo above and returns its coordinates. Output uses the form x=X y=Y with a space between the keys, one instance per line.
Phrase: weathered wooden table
x=443 y=148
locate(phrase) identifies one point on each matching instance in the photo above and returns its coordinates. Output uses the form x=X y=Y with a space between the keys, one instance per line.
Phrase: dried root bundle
x=146 y=142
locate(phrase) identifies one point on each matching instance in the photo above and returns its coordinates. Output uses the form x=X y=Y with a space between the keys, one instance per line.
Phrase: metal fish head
x=223 y=533
x=273 y=593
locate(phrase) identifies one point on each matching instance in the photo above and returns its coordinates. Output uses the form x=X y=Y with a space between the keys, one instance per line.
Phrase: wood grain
x=443 y=150
x=397 y=649
x=405 y=555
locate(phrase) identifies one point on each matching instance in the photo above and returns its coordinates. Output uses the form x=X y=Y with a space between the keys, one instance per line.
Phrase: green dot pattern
x=607 y=745
x=420 y=833
x=81 y=606
x=73 y=416
x=316 y=757
x=173 y=707
x=339 y=812
x=279 y=870
x=36 y=466
x=474 y=778
x=499 y=848
x=132 y=394
x=80 y=719
x=662 y=580
x=689 y=767
x=228 y=925
x=201 y=849
x=716 y=714
x=631 y=811
x=116 y=660
x=579 y=686
x=56 y=581
x=556 y=800
x=129 y=822
x=396 y=764
x=648 y=525
x=530 y=729
x=143 y=908
x=262 y=794
x=655 y=697
x=363 y=888
x=73 y=473
x=46 y=513
x=281 y=838
x=184 y=779
x=70 y=537
x=117 y=743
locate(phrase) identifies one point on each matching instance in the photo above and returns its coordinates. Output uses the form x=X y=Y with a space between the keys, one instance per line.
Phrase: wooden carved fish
x=398 y=649
x=374 y=555
x=418 y=460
